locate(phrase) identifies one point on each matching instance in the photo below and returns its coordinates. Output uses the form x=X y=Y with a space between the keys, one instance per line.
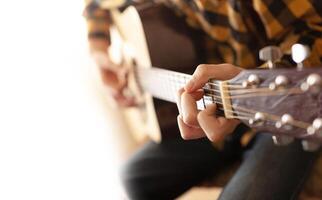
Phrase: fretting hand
x=195 y=124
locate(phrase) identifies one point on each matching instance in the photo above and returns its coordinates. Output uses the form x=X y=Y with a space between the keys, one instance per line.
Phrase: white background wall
x=55 y=136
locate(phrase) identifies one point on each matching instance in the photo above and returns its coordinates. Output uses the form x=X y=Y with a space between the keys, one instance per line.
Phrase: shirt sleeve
x=98 y=21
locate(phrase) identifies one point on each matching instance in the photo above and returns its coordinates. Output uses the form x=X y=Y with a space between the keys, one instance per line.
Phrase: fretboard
x=164 y=84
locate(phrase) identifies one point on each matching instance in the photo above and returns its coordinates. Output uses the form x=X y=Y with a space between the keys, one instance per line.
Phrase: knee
x=133 y=181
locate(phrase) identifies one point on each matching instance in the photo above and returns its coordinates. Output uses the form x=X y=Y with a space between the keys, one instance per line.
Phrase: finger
x=123 y=100
x=101 y=58
x=110 y=79
x=216 y=128
x=197 y=95
x=189 y=109
x=123 y=74
x=205 y=72
x=212 y=126
x=187 y=132
x=178 y=100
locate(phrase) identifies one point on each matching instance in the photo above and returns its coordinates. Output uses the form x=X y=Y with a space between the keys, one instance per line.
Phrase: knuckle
x=215 y=135
x=189 y=120
x=200 y=116
x=180 y=91
x=231 y=67
x=212 y=136
x=227 y=65
x=185 y=136
x=201 y=69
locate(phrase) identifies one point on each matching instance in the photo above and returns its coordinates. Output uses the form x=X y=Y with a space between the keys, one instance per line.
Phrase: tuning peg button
x=270 y=54
x=280 y=81
x=315 y=128
x=282 y=140
x=258 y=119
x=252 y=81
x=286 y=122
x=313 y=84
x=299 y=53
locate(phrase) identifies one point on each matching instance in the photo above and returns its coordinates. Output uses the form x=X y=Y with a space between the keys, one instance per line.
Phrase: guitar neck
x=164 y=84
x=161 y=83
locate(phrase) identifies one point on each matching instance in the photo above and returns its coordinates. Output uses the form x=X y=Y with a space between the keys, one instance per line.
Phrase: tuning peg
x=252 y=81
x=282 y=140
x=280 y=81
x=315 y=128
x=258 y=120
x=286 y=122
x=270 y=54
x=310 y=146
x=313 y=84
x=299 y=53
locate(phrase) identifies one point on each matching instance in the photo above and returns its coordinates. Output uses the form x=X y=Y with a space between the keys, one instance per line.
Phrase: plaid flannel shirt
x=237 y=29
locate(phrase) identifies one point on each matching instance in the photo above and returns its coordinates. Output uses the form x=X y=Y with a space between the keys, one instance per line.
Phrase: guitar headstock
x=284 y=101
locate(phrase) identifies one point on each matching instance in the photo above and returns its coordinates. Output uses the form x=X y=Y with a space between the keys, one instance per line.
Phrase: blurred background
x=55 y=130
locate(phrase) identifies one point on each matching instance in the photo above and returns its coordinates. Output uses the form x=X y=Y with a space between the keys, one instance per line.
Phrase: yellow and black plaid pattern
x=237 y=28
x=293 y=21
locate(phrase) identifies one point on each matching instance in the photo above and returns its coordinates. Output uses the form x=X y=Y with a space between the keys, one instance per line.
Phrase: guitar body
x=152 y=35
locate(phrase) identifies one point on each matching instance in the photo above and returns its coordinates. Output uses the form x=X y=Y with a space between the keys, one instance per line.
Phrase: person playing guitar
x=235 y=31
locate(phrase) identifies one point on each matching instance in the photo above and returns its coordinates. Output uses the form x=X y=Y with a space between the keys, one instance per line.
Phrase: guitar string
x=235 y=112
x=158 y=72
x=254 y=90
x=240 y=113
x=239 y=91
x=293 y=90
x=297 y=123
x=229 y=85
x=253 y=93
x=243 y=90
x=266 y=89
x=219 y=97
x=300 y=124
x=271 y=93
x=178 y=74
x=272 y=118
x=275 y=118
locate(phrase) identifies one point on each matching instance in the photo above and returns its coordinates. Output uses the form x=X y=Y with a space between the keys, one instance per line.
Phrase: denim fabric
x=270 y=172
x=166 y=170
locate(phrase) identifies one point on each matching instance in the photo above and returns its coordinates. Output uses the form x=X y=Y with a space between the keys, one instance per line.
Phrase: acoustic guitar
x=283 y=101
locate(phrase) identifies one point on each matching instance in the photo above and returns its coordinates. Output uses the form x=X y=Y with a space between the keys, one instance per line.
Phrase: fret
x=164 y=84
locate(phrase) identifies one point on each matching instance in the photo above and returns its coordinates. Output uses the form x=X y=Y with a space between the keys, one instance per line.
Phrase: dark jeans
x=166 y=170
